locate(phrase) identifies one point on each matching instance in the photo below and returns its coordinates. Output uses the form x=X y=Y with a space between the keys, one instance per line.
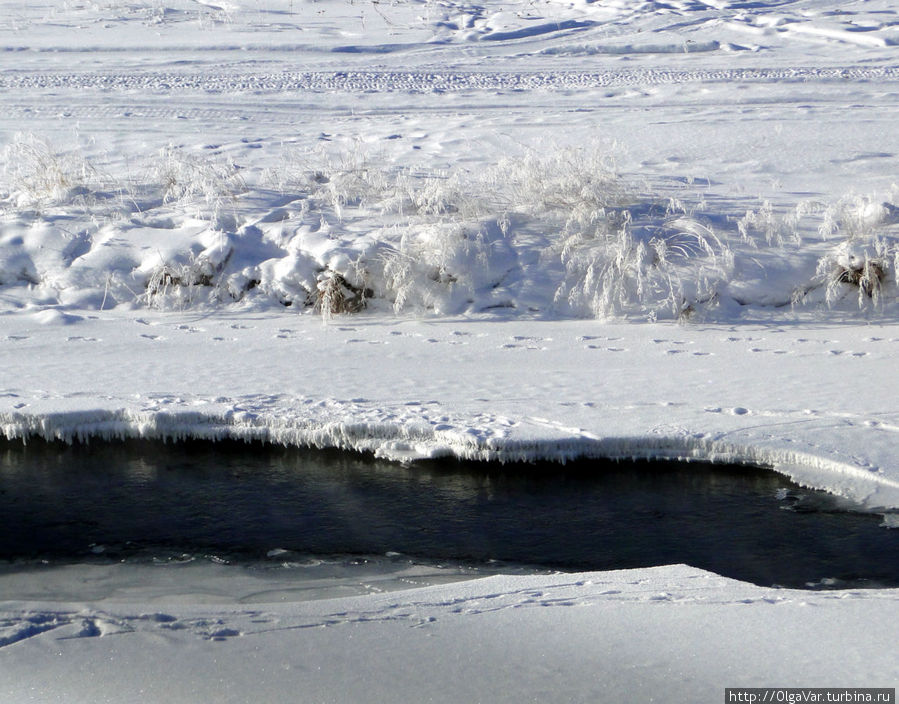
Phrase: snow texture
x=492 y=230
x=673 y=632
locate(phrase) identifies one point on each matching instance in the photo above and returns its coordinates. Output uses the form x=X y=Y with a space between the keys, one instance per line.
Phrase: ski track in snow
x=429 y=81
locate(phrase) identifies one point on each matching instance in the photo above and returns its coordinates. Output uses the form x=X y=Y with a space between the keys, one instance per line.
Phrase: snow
x=491 y=230
x=673 y=633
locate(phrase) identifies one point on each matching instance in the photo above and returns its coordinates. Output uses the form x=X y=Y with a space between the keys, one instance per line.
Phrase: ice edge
x=407 y=442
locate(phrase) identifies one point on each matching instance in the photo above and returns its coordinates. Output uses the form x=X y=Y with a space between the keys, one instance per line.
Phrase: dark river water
x=140 y=500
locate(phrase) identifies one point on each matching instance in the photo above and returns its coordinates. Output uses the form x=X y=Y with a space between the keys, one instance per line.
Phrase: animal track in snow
x=805 y=340
x=527 y=342
x=65 y=626
x=359 y=340
x=607 y=349
x=743 y=339
x=596 y=341
x=679 y=344
x=17 y=628
x=513 y=346
x=848 y=353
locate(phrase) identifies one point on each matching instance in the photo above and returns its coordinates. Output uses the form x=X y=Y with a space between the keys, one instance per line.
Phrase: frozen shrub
x=355 y=182
x=347 y=180
x=858 y=266
x=174 y=283
x=439 y=268
x=189 y=179
x=553 y=230
x=777 y=230
x=335 y=295
x=621 y=269
x=35 y=174
x=604 y=273
x=853 y=216
x=438 y=195
x=865 y=262
x=579 y=182
x=184 y=280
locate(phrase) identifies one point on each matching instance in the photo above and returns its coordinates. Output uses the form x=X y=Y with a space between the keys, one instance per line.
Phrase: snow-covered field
x=495 y=230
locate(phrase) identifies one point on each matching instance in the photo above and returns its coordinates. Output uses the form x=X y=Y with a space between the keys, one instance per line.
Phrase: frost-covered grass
x=558 y=232
x=35 y=174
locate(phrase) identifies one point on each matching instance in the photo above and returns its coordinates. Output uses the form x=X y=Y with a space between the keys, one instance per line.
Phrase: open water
x=141 y=501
